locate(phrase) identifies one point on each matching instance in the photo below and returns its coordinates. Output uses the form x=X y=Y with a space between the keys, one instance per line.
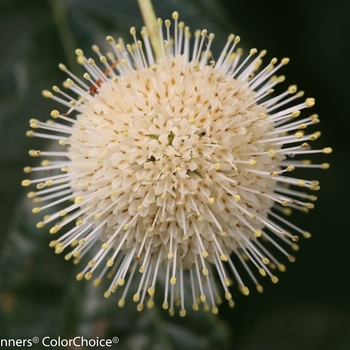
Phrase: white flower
x=177 y=164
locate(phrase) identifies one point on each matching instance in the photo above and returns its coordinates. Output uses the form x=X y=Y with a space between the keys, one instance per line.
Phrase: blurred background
x=307 y=310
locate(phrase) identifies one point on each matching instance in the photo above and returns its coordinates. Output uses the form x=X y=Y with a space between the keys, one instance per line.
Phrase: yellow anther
x=253 y=51
x=88 y=275
x=231 y=303
x=55 y=229
x=299 y=134
x=110 y=39
x=133 y=31
x=77 y=253
x=47 y=94
x=205 y=272
x=87 y=76
x=175 y=15
x=25 y=183
x=49 y=183
x=110 y=262
x=265 y=260
x=31 y=195
x=173 y=280
x=237 y=197
x=327 y=150
x=195 y=307
x=40 y=186
x=217 y=166
x=291 y=258
x=296 y=113
x=257 y=233
x=295 y=247
x=150 y=304
x=271 y=153
x=136 y=297
x=274 y=279
x=252 y=161
x=81 y=60
x=79 y=52
x=281 y=267
x=211 y=200
x=215 y=310
x=262 y=272
x=97 y=282
x=40 y=224
x=205 y=253
x=223 y=257
x=59 y=249
x=62 y=67
x=53 y=244
x=35 y=153
x=245 y=290
x=228 y=296
x=306 y=234
x=259 y=288
x=80 y=276
x=182 y=313
x=68 y=256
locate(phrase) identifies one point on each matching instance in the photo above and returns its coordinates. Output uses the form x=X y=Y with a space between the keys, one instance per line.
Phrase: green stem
x=149 y=17
x=60 y=18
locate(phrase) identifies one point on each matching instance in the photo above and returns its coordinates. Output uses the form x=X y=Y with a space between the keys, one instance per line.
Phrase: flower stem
x=149 y=17
x=60 y=18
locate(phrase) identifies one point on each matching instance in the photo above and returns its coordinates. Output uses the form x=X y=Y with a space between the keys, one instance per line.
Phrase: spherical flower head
x=177 y=164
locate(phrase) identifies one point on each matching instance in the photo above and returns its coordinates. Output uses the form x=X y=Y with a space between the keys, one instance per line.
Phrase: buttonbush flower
x=177 y=165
